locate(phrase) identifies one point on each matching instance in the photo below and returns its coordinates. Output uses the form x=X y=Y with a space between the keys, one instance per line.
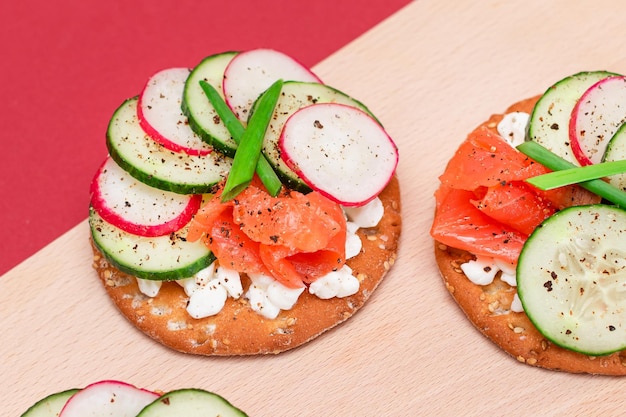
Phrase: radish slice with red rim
x=108 y=398
x=161 y=116
x=137 y=208
x=599 y=112
x=250 y=73
x=340 y=151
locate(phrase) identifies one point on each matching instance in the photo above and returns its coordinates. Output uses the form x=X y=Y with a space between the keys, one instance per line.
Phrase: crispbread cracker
x=237 y=330
x=488 y=308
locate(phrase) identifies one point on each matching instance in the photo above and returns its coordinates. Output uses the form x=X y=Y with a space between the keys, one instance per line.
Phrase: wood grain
x=431 y=73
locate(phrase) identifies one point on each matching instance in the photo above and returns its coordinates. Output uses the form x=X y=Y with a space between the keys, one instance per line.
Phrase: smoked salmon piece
x=483 y=204
x=295 y=237
x=459 y=224
x=485 y=159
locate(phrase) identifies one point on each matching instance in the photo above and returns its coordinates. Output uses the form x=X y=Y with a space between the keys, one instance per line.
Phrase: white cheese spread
x=513 y=127
x=209 y=289
x=516 y=305
x=149 y=287
x=481 y=271
x=484 y=269
x=367 y=215
x=340 y=283
x=268 y=296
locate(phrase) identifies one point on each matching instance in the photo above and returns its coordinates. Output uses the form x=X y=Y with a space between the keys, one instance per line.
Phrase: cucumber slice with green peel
x=296 y=95
x=51 y=405
x=168 y=257
x=550 y=119
x=157 y=166
x=191 y=402
x=616 y=151
x=571 y=279
x=202 y=116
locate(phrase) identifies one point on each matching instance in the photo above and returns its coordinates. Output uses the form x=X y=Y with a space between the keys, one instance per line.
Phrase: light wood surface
x=430 y=73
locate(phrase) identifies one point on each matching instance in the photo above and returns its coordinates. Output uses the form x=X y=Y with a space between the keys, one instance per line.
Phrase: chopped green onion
x=570 y=176
x=235 y=128
x=556 y=163
x=249 y=149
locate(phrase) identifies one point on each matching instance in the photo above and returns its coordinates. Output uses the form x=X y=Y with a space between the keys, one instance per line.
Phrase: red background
x=67 y=65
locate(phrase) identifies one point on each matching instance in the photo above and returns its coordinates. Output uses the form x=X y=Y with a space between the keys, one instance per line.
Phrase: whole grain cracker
x=237 y=329
x=488 y=308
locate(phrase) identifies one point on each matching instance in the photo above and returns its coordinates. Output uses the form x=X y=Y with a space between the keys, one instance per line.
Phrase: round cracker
x=237 y=329
x=488 y=308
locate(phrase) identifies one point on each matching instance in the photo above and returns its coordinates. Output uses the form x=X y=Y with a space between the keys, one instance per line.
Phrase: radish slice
x=599 y=112
x=108 y=399
x=252 y=72
x=340 y=151
x=136 y=207
x=161 y=117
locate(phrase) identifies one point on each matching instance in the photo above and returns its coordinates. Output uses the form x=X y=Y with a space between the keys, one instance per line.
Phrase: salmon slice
x=515 y=205
x=484 y=205
x=485 y=159
x=459 y=224
x=295 y=238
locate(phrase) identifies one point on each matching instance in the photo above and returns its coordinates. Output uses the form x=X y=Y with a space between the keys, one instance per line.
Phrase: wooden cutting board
x=430 y=73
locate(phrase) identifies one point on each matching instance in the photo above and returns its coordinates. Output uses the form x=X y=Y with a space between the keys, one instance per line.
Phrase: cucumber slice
x=153 y=164
x=550 y=119
x=191 y=402
x=202 y=116
x=616 y=151
x=296 y=95
x=571 y=279
x=51 y=405
x=159 y=258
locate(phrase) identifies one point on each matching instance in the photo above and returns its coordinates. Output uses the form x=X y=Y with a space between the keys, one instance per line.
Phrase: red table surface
x=67 y=65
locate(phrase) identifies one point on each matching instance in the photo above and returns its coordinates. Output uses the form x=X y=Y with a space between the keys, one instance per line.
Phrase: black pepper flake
x=548 y=285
